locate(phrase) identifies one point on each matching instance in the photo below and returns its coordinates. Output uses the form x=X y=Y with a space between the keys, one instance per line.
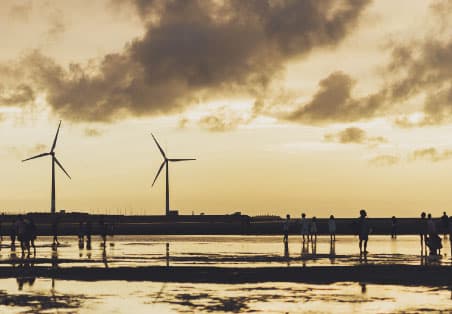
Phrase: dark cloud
x=384 y=160
x=431 y=154
x=92 y=132
x=334 y=102
x=194 y=50
x=354 y=135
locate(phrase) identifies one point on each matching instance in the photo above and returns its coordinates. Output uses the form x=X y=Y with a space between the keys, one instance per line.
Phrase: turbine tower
x=165 y=163
x=54 y=161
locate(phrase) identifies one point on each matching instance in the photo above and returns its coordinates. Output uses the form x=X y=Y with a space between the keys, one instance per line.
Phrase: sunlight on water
x=233 y=251
x=42 y=295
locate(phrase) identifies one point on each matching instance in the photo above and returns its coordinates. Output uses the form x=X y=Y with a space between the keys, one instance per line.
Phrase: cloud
x=19 y=96
x=384 y=160
x=334 y=102
x=21 y=12
x=25 y=152
x=354 y=135
x=57 y=25
x=220 y=120
x=38 y=148
x=193 y=51
x=431 y=154
x=91 y=132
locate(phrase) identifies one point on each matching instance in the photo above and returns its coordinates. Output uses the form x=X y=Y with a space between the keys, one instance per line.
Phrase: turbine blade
x=58 y=163
x=158 y=145
x=158 y=172
x=37 y=156
x=181 y=159
x=56 y=137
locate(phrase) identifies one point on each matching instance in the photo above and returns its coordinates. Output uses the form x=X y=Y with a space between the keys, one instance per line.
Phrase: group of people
x=429 y=233
x=309 y=228
x=24 y=230
x=427 y=228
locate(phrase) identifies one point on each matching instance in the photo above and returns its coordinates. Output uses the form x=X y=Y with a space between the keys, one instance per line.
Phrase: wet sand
x=381 y=274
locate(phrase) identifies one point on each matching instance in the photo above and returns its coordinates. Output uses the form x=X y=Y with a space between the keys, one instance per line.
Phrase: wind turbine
x=165 y=163
x=54 y=161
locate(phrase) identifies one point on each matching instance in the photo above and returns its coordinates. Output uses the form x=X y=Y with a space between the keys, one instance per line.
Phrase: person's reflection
x=286 y=252
x=363 y=287
x=314 y=247
x=104 y=257
x=54 y=256
x=13 y=256
x=304 y=251
x=167 y=254
x=21 y=281
x=363 y=258
x=332 y=251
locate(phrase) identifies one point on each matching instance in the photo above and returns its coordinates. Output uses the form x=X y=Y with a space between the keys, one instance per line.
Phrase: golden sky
x=289 y=106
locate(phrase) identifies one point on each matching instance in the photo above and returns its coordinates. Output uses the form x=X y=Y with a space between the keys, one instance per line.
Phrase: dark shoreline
x=377 y=274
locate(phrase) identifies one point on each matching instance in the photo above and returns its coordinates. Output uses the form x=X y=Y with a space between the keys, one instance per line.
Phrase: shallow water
x=44 y=295
x=234 y=251
x=61 y=296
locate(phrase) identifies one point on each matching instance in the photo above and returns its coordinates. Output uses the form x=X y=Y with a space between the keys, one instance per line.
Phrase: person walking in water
x=450 y=234
x=32 y=233
x=313 y=230
x=445 y=224
x=363 y=231
x=332 y=228
x=12 y=235
x=55 y=231
x=304 y=227
x=393 y=227
x=286 y=227
x=431 y=227
x=81 y=235
x=423 y=230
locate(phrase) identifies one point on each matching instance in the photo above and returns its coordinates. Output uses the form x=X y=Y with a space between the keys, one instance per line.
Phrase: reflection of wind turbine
x=54 y=160
x=165 y=163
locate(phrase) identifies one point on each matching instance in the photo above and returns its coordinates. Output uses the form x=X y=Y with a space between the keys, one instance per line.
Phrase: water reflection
x=167 y=255
x=332 y=251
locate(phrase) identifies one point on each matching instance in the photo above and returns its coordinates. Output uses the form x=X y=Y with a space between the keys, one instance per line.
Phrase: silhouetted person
x=445 y=224
x=32 y=231
x=423 y=231
x=22 y=235
x=363 y=231
x=304 y=227
x=103 y=231
x=88 y=235
x=332 y=228
x=433 y=240
x=393 y=227
x=12 y=235
x=450 y=234
x=55 y=223
x=313 y=229
x=1 y=231
x=286 y=227
x=434 y=244
x=431 y=227
x=81 y=235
